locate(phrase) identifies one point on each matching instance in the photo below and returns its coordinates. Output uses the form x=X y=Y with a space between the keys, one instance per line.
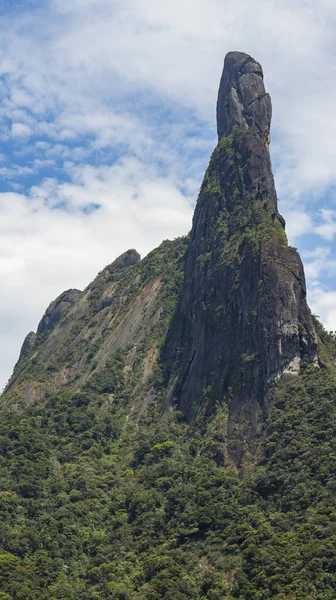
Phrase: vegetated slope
x=127 y=472
x=120 y=309
x=100 y=501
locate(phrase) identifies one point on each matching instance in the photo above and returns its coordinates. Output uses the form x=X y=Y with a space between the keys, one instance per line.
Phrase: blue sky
x=107 y=122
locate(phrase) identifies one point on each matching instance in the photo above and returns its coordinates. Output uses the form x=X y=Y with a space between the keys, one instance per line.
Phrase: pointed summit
x=243 y=322
x=242 y=99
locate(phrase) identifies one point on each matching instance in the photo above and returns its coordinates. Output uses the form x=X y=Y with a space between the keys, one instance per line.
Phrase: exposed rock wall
x=57 y=309
x=243 y=321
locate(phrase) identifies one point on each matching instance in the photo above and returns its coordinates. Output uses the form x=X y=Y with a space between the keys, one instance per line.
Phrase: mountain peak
x=242 y=98
x=57 y=309
x=244 y=322
x=128 y=259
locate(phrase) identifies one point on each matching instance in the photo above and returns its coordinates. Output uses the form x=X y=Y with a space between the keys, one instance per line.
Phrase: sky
x=107 y=123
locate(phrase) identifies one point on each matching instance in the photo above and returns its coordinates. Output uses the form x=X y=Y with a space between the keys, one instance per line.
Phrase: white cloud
x=323 y=304
x=298 y=223
x=322 y=300
x=20 y=130
x=327 y=229
x=108 y=129
x=15 y=171
x=318 y=262
x=94 y=51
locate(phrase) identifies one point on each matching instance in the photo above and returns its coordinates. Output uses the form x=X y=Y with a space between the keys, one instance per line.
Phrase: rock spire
x=243 y=322
x=242 y=99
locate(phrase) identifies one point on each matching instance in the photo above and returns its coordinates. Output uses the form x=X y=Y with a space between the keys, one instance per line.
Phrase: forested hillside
x=98 y=501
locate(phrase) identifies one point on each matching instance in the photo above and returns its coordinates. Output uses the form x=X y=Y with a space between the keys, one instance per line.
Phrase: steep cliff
x=243 y=323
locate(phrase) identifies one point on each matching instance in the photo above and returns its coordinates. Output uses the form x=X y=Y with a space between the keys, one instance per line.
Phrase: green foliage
x=96 y=502
x=248 y=358
x=243 y=222
x=204 y=259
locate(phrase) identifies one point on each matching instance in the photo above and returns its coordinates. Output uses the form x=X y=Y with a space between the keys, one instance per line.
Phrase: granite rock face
x=82 y=331
x=28 y=345
x=61 y=306
x=57 y=309
x=243 y=322
x=242 y=99
x=127 y=259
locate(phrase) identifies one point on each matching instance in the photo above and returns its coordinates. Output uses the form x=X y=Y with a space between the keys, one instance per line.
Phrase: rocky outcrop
x=57 y=309
x=243 y=322
x=127 y=259
x=81 y=332
x=98 y=295
x=242 y=99
x=28 y=345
